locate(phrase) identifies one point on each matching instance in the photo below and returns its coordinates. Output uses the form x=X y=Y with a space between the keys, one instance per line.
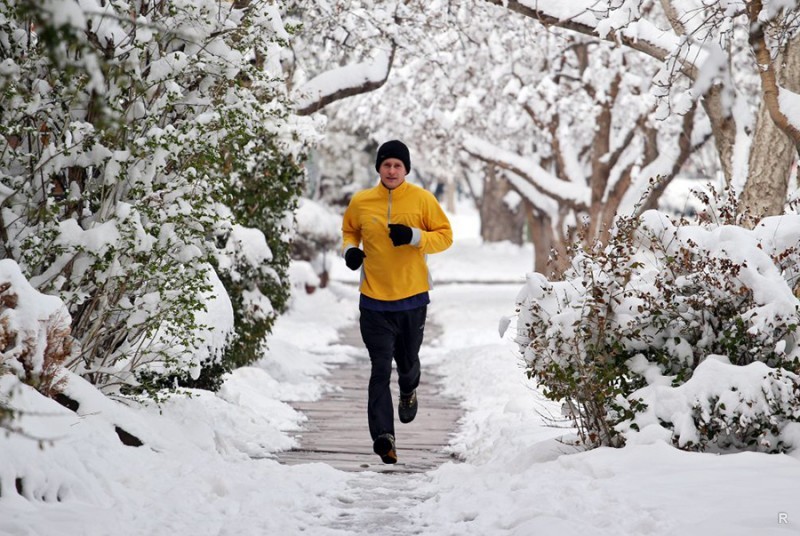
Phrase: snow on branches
x=130 y=135
x=711 y=46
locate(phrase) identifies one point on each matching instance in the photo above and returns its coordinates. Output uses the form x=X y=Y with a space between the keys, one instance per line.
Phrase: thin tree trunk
x=601 y=167
x=540 y=228
x=450 y=196
x=723 y=128
x=609 y=209
x=686 y=150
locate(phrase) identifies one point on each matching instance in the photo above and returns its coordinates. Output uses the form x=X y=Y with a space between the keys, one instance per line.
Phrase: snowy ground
x=205 y=468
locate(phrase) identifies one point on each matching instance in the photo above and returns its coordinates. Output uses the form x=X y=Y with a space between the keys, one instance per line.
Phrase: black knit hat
x=393 y=149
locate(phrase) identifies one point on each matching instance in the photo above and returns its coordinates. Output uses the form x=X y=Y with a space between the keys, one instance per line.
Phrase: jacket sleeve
x=351 y=231
x=437 y=235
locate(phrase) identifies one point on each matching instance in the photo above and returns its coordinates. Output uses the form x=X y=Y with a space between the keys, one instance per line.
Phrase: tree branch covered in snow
x=568 y=194
x=347 y=81
x=586 y=17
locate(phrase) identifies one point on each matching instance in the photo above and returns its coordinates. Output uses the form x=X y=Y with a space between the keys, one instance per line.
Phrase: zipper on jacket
x=389 y=212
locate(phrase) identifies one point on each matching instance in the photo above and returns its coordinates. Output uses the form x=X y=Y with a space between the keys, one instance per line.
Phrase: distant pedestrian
x=398 y=223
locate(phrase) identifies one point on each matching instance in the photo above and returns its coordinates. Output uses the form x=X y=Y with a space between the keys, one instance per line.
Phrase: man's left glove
x=400 y=234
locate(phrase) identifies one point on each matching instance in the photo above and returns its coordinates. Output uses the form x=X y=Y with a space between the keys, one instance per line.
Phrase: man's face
x=392 y=172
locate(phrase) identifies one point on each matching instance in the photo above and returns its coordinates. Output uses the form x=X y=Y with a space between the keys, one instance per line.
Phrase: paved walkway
x=337 y=433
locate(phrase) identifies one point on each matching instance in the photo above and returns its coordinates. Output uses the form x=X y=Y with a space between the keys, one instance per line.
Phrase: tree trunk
x=601 y=167
x=773 y=151
x=498 y=221
x=771 y=156
x=541 y=231
x=450 y=196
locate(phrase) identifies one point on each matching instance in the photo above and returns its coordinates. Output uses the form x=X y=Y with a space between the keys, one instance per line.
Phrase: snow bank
x=204 y=464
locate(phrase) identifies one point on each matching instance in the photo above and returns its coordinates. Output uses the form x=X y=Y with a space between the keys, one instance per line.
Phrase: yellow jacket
x=393 y=273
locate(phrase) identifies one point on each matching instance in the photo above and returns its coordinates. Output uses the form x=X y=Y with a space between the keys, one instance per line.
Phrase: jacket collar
x=400 y=190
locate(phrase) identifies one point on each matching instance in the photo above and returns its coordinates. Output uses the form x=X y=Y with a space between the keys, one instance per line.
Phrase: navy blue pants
x=388 y=335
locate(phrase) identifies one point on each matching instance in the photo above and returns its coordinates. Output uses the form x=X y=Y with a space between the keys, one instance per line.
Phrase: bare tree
x=700 y=35
x=598 y=150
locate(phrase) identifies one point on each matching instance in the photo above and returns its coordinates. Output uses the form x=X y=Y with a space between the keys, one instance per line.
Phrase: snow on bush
x=135 y=138
x=318 y=230
x=303 y=276
x=686 y=332
x=34 y=331
x=317 y=239
x=723 y=406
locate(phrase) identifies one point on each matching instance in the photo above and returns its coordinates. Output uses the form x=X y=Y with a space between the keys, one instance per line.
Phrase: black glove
x=400 y=234
x=353 y=258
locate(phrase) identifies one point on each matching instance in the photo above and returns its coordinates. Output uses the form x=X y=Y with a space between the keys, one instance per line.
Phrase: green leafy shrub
x=132 y=141
x=262 y=194
x=631 y=324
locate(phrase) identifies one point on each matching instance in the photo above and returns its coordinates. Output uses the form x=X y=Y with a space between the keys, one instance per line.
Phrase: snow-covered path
x=337 y=433
x=375 y=504
x=518 y=479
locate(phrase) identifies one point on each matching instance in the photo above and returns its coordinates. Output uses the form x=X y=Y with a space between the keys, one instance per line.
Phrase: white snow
x=315 y=219
x=569 y=192
x=206 y=466
x=620 y=16
x=789 y=103
x=27 y=318
x=349 y=76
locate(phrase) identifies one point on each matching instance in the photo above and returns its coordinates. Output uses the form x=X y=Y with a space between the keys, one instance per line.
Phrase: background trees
x=736 y=58
x=688 y=73
x=586 y=111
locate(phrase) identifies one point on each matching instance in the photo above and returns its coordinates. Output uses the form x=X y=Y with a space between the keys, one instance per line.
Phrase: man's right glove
x=353 y=258
x=400 y=234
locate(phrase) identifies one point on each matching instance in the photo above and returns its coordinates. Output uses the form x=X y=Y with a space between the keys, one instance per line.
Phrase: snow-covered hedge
x=136 y=138
x=677 y=331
